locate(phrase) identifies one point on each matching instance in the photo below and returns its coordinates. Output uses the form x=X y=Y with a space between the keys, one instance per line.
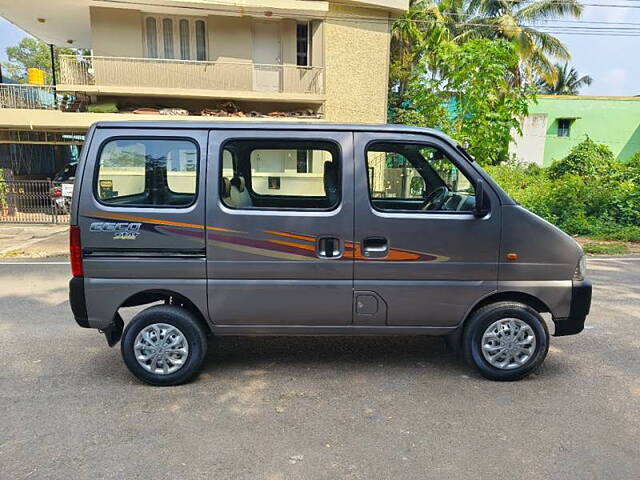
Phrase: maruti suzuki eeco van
x=310 y=229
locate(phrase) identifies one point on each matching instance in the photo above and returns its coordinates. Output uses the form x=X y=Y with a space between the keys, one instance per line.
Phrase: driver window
x=419 y=178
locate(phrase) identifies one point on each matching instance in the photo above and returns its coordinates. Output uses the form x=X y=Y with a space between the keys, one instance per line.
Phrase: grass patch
x=608 y=248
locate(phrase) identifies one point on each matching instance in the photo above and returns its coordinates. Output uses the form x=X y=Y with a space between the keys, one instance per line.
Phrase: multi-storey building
x=318 y=59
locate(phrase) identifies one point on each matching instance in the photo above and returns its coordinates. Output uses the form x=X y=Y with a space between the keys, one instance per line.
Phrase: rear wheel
x=506 y=341
x=164 y=345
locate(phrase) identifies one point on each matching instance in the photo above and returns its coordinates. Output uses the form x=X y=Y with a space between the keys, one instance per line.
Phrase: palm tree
x=413 y=35
x=514 y=20
x=567 y=81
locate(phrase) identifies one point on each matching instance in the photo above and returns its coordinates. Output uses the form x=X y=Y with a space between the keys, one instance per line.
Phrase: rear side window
x=147 y=172
x=281 y=174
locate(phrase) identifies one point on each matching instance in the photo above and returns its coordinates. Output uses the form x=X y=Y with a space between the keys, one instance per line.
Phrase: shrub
x=588 y=158
x=633 y=168
x=586 y=193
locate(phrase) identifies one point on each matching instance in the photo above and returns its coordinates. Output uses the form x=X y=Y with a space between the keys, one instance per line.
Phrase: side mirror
x=480 y=211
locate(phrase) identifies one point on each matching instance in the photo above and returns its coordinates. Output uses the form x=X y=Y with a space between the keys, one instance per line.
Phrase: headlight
x=581 y=268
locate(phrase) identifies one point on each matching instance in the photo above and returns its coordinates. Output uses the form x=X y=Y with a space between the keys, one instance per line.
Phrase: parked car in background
x=62 y=189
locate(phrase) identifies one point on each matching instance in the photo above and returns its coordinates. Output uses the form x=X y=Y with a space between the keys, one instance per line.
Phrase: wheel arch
x=509 y=296
x=454 y=340
x=169 y=297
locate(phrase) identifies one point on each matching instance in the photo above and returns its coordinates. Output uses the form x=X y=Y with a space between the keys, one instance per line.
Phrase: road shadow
x=331 y=352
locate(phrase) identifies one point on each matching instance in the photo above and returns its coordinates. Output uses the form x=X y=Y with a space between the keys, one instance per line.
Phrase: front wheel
x=506 y=341
x=164 y=345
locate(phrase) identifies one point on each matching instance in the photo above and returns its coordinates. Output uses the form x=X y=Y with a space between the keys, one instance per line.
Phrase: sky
x=611 y=61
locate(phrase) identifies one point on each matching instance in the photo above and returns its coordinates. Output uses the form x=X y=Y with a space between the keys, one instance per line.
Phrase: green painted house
x=556 y=123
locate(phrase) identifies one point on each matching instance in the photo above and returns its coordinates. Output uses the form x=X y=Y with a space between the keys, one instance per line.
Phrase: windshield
x=66 y=173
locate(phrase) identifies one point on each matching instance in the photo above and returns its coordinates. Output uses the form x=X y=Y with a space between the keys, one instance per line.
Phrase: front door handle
x=375 y=247
x=329 y=247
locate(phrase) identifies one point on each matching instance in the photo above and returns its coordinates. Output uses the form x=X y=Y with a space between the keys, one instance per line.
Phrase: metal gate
x=32 y=201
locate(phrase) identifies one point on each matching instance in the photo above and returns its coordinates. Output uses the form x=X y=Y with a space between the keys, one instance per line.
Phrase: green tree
x=428 y=22
x=464 y=90
x=31 y=53
x=413 y=35
x=567 y=81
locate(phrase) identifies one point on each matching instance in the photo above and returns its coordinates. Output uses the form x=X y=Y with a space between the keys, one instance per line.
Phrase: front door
x=422 y=258
x=279 y=225
x=267 y=56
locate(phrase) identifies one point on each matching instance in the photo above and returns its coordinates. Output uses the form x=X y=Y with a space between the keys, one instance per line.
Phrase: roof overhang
x=394 y=6
x=66 y=23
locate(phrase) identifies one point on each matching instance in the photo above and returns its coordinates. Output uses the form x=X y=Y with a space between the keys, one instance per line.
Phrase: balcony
x=23 y=96
x=190 y=79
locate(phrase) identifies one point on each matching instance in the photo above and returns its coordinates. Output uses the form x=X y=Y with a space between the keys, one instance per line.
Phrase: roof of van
x=244 y=125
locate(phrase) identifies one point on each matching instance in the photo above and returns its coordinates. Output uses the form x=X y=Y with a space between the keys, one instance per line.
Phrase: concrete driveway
x=315 y=408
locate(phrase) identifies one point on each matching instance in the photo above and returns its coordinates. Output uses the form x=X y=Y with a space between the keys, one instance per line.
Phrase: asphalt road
x=315 y=408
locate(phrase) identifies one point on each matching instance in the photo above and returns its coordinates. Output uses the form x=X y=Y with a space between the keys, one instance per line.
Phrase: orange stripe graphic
x=311 y=248
x=290 y=235
x=393 y=255
x=262 y=251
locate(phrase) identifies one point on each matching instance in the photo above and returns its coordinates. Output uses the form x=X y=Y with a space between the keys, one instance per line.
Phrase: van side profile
x=310 y=229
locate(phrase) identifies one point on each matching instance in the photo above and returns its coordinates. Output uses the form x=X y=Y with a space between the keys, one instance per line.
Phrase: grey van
x=310 y=229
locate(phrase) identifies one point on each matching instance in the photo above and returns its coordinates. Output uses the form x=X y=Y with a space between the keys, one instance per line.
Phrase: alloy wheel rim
x=161 y=349
x=508 y=343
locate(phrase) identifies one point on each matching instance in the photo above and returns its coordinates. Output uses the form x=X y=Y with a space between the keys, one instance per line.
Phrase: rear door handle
x=329 y=247
x=375 y=247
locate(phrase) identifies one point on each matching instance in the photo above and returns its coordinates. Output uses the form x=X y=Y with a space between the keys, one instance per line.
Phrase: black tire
x=485 y=317
x=184 y=321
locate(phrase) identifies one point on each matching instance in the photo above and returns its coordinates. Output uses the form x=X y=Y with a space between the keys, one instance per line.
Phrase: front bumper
x=580 y=306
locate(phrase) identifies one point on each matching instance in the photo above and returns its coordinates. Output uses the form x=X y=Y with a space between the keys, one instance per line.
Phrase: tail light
x=75 y=252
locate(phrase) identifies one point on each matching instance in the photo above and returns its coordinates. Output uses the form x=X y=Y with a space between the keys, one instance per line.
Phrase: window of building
x=564 y=127
x=147 y=172
x=281 y=175
x=185 y=42
x=302 y=44
x=182 y=37
x=201 y=40
x=152 y=37
x=416 y=178
x=167 y=37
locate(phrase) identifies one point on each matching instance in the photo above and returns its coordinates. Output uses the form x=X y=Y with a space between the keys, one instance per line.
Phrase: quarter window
x=147 y=172
x=281 y=175
x=413 y=177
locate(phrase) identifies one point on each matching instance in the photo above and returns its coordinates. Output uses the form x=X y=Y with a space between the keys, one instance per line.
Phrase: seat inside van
x=238 y=193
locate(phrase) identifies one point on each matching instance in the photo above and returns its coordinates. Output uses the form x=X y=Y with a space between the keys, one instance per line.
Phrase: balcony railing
x=27 y=96
x=189 y=75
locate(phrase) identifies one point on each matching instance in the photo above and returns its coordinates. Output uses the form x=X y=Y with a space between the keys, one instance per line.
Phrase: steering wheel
x=435 y=200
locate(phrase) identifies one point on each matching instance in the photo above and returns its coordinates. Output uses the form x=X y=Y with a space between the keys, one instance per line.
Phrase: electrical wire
x=586 y=30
